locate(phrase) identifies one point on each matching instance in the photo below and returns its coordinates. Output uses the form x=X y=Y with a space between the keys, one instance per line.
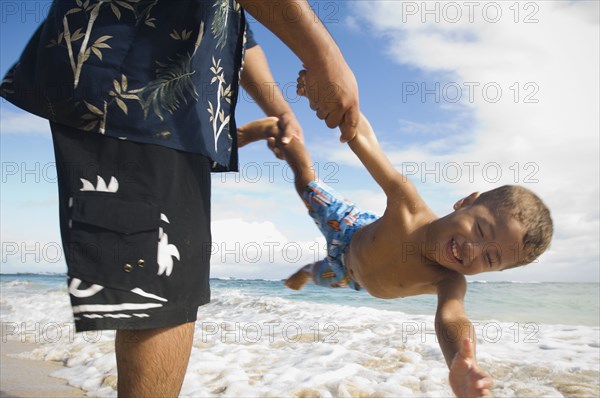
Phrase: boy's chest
x=390 y=264
x=402 y=276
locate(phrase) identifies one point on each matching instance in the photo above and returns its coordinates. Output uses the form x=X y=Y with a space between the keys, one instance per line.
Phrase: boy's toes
x=272 y=145
x=242 y=138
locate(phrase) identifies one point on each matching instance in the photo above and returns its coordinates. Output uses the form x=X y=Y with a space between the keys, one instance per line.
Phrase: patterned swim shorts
x=337 y=219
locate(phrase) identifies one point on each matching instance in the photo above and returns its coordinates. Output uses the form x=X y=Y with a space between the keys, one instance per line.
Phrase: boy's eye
x=480 y=230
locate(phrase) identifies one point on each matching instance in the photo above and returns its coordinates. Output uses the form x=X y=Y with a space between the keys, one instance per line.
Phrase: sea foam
x=248 y=344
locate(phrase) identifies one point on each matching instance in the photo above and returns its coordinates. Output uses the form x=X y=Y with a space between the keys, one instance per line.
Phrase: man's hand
x=467 y=379
x=333 y=94
x=331 y=85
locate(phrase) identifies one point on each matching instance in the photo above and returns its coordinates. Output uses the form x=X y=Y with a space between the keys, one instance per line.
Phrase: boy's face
x=473 y=239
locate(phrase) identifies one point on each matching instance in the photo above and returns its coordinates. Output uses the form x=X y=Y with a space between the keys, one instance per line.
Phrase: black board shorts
x=135 y=227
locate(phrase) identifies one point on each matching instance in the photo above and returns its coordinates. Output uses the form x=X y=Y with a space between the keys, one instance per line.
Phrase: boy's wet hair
x=529 y=210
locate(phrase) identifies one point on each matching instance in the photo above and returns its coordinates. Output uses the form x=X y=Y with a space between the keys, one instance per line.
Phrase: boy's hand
x=467 y=379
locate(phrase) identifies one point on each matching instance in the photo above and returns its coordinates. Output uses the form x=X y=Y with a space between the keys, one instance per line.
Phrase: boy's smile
x=454 y=251
x=473 y=239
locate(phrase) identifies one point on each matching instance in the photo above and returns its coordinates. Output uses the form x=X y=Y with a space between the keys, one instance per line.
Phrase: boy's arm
x=457 y=340
x=367 y=149
x=258 y=81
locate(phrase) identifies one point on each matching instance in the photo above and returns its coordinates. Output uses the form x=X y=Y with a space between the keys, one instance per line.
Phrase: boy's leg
x=295 y=152
x=299 y=279
x=320 y=273
x=299 y=160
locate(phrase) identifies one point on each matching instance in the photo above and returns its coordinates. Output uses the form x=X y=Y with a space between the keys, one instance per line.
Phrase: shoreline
x=30 y=377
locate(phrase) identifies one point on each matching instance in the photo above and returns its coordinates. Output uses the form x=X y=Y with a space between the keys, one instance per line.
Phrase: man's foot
x=298 y=280
x=257 y=130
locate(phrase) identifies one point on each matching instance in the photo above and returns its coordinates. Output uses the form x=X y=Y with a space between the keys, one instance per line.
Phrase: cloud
x=533 y=93
x=12 y=122
x=245 y=249
x=560 y=64
x=32 y=254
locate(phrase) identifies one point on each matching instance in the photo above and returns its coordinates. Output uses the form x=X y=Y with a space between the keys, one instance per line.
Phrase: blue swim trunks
x=337 y=219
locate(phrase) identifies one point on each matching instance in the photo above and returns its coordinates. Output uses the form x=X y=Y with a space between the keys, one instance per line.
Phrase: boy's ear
x=467 y=201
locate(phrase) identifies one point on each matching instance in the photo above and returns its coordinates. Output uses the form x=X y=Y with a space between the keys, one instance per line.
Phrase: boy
x=409 y=250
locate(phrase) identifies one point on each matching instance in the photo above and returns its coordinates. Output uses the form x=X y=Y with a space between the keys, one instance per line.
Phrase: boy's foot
x=298 y=280
x=257 y=130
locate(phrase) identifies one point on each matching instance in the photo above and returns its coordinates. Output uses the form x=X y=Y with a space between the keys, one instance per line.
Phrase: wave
x=517 y=282
x=248 y=345
x=233 y=278
x=17 y=282
x=33 y=274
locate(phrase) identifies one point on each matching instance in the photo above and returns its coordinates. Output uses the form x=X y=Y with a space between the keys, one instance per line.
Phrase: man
x=141 y=99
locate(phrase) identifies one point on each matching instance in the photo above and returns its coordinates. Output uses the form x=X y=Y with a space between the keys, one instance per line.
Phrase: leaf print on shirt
x=96 y=119
x=95 y=48
x=142 y=12
x=123 y=4
x=120 y=93
x=172 y=86
x=184 y=35
x=217 y=115
x=77 y=64
x=84 y=52
x=75 y=36
x=219 y=23
x=173 y=83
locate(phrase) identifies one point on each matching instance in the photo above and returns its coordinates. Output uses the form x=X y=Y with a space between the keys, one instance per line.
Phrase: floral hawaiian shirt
x=162 y=72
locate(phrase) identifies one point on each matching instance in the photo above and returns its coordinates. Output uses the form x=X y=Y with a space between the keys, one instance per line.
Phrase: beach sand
x=30 y=378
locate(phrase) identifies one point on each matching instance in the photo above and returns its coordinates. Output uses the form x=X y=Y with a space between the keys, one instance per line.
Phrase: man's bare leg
x=152 y=363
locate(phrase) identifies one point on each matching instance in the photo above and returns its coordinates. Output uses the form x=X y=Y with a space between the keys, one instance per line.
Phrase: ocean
x=259 y=339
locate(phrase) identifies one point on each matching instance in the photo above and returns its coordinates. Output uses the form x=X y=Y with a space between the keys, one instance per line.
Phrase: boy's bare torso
x=385 y=257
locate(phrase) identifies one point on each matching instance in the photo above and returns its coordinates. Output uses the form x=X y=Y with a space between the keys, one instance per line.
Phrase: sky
x=463 y=96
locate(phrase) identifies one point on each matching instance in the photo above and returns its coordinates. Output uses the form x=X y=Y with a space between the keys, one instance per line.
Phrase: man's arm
x=331 y=86
x=258 y=81
x=456 y=336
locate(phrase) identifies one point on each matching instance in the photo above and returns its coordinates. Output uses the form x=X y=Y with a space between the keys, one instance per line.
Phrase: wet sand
x=30 y=378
